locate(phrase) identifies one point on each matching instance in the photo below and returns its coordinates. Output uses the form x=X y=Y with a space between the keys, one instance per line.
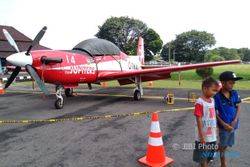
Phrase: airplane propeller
x=37 y=39
x=39 y=82
x=10 y=40
x=12 y=76
x=18 y=68
x=28 y=66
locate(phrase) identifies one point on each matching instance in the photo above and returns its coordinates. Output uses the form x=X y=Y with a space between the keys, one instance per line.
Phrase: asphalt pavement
x=101 y=142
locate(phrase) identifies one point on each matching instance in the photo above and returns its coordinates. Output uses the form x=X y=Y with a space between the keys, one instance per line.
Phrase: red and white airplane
x=91 y=61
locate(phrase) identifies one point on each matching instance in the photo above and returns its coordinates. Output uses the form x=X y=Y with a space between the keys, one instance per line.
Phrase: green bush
x=204 y=72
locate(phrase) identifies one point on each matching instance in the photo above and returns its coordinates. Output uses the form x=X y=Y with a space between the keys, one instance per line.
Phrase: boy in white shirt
x=205 y=127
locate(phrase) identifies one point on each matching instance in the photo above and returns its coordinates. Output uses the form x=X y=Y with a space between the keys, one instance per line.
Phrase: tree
x=216 y=58
x=244 y=54
x=210 y=57
x=152 y=44
x=190 y=46
x=226 y=53
x=204 y=72
x=124 y=32
x=165 y=51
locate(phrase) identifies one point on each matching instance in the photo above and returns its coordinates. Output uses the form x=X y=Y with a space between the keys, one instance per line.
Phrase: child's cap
x=229 y=76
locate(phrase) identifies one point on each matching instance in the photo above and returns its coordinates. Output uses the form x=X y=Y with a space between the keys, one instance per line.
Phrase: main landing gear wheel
x=69 y=92
x=59 y=104
x=59 y=99
x=137 y=95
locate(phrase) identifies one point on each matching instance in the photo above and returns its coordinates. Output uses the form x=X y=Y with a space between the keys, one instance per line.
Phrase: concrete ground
x=102 y=142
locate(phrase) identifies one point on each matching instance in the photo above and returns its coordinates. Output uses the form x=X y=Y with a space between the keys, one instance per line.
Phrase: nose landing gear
x=59 y=98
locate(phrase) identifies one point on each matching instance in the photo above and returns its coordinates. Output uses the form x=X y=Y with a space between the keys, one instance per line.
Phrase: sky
x=72 y=21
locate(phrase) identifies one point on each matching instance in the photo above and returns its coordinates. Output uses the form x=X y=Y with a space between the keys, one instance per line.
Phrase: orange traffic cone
x=150 y=83
x=155 y=156
x=104 y=84
x=1 y=89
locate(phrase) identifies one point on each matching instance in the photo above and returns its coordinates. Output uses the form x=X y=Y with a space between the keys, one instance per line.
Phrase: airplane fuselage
x=80 y=68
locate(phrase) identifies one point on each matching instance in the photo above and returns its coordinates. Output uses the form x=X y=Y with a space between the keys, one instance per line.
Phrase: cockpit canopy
x=97 y=47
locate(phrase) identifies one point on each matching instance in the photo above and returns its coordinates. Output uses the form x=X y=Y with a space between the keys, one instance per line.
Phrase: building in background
x=6 y=49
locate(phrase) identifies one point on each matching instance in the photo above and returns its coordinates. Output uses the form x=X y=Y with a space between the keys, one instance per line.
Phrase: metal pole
x=174 y=55
x=33 y=84
x=169 y=51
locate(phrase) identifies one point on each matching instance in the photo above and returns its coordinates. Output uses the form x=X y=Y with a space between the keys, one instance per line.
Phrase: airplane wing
x=156 y=73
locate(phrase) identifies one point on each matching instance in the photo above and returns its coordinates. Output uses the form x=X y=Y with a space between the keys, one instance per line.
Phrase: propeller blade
x=10 y=40
x=12 y=77
x=35 y=76
x=37 y=39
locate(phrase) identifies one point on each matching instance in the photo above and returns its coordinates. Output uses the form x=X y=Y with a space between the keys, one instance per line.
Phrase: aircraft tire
x=137 y=95
x=59 y=104
x=69 y=92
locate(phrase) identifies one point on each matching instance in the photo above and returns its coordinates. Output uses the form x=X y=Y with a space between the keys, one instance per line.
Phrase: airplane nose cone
x=20 y=59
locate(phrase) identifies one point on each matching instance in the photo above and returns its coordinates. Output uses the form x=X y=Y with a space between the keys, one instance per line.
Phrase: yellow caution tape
x=246 y=99
x=91 y=117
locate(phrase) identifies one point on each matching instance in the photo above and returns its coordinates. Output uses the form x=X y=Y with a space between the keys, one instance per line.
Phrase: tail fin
x=140 y=50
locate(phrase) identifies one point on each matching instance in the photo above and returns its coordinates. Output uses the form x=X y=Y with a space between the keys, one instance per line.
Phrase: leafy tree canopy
x=189 y=46
x=227 y=54
x=124 y=32
x=152 y=44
